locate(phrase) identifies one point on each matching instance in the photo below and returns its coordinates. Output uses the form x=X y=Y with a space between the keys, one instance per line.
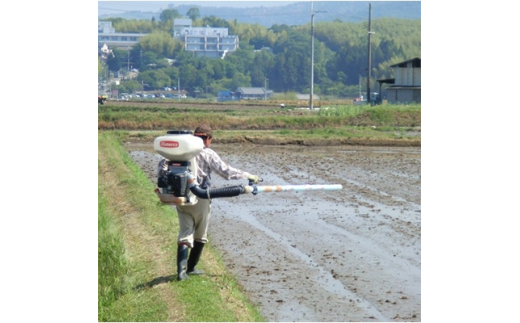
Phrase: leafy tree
x=340 y=56
x=155 y=79
x=242 y=59
x=351 y=61
x=113 y=62
x=292 y=62
x=173 y=74
x=166 y=19
x=129 y=86
x=135 y=56
x=150 y=61
x=131 y=26
x=219 y=69
x=188 y=76
x=238 y=80
x=215 y=22
x=279 y=28
x=263 y=63
x=322 y=54
x=169 y=15
x=161 y=44
x=255 y=35
x=193 y=13
x=100 y=66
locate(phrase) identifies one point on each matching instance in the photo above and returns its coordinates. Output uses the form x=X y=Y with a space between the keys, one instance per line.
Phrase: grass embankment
x=386 y=125
x=137 y=253
x=147 y=116
x=383 y=125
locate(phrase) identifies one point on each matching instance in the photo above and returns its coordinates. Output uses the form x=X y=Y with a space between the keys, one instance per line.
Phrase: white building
x=107 y=35
x=205 y=41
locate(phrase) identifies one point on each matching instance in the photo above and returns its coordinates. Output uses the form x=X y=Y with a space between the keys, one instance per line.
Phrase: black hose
x=217 y=192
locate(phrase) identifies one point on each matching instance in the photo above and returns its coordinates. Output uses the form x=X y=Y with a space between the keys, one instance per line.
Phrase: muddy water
x=348 y=255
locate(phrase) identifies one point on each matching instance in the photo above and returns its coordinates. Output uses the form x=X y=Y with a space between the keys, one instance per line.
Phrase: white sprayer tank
x=178 y=145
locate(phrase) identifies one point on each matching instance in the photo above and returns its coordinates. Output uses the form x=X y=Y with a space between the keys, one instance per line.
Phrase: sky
x=108 y=7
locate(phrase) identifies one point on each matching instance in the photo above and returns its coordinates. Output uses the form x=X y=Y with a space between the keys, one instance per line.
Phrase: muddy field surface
x=347 y=255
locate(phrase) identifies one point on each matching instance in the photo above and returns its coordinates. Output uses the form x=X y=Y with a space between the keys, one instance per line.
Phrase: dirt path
x=349 y=255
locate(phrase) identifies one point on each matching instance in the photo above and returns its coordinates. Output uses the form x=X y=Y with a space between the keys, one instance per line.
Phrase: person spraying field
x=183 y=180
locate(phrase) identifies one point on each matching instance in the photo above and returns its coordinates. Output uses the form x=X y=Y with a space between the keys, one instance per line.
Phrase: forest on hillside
x=278 y=57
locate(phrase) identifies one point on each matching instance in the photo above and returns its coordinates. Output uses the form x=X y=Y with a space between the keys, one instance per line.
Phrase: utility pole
x=369 y=99
x=265 y=88
x=359 y=80
x=312 y=56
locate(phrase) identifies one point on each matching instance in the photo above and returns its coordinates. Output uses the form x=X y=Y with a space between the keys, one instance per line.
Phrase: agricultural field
x=348 y=255
x=329 y=123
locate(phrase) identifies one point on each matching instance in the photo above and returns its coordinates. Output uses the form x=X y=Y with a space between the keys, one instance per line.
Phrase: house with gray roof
x=253 y=93
x=406 y=87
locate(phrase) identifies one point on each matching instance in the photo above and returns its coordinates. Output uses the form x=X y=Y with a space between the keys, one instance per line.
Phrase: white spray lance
x=177 y=180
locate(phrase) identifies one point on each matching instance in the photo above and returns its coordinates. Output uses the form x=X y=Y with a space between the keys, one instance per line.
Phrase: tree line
x=279 y=56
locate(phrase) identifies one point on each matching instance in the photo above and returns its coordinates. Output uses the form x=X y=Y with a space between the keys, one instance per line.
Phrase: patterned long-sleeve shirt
x=208 y=160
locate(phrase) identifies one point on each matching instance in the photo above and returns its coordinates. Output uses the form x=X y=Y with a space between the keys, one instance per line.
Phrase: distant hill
x=296 y=13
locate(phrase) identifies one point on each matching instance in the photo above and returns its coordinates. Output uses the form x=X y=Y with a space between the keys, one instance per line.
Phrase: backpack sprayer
x=177 y=177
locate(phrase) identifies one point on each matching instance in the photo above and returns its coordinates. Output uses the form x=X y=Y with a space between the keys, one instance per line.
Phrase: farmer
x=194 y=219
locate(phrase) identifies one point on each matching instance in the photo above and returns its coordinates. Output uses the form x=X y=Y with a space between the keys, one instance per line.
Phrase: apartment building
x=108 y=36
x=206 y=41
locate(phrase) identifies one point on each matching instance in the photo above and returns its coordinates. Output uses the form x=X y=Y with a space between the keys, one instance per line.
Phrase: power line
x=112 y=9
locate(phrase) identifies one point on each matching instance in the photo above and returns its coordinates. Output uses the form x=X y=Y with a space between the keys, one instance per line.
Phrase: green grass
x=118 y=270
x=137 y=247
x=113 y=266
x=147 y=117
x=342 y=111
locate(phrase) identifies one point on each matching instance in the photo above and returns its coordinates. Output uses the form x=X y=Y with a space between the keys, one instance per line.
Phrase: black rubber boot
x=182 y=255
x=194 y=258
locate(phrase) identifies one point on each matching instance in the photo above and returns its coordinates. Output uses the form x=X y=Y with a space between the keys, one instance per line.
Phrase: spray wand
x=254 y=189
x=177 y=178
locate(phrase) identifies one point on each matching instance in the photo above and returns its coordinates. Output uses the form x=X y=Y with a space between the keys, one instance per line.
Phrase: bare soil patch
x=349 y=255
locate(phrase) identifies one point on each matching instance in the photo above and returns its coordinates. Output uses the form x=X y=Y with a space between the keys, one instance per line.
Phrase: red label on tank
x=169 y=144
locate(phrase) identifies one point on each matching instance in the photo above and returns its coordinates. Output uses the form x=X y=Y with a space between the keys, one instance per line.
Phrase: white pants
x=194 y=222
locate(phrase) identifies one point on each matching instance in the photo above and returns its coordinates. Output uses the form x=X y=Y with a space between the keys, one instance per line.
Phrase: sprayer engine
x=175 y=179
